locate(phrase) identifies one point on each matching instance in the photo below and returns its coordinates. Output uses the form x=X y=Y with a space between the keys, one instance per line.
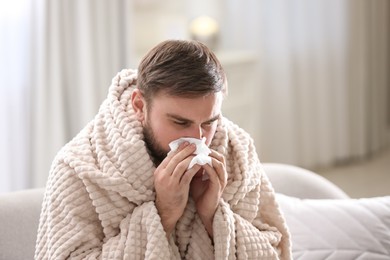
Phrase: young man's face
x=169 y=118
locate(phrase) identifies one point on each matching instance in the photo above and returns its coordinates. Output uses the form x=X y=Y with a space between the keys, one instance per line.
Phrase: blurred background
x=308 y=79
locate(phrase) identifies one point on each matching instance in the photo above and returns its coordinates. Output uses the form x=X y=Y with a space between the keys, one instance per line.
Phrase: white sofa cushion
x=338 y=228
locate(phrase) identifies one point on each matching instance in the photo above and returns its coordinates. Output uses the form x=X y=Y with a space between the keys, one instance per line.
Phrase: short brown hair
x=180 y=68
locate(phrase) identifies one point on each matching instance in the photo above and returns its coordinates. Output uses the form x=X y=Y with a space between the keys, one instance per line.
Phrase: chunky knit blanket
x=99 y=200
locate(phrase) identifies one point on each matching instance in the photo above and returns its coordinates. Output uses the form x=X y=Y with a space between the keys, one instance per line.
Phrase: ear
x=139 y=105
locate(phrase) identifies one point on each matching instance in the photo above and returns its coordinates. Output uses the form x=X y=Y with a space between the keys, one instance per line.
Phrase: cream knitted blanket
x=99 y=201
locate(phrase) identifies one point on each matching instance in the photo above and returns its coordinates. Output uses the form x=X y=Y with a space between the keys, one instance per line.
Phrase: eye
x=208 y=124
x=181 y=123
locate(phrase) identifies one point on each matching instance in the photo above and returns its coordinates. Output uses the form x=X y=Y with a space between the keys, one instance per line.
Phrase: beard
x=156 y=151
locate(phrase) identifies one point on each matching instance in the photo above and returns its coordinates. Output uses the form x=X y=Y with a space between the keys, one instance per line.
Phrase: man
x=117 y=191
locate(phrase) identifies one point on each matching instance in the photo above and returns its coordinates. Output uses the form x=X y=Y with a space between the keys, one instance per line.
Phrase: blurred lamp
x=205 y=29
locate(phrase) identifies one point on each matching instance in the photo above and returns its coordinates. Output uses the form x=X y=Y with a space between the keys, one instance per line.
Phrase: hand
x=207 y=194
x=172 y=182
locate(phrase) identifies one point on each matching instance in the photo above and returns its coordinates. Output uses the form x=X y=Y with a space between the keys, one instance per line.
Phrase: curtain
x=72 y=51
x=369 y=74
x=305 y=81
x=323 y=76
x=14 y=92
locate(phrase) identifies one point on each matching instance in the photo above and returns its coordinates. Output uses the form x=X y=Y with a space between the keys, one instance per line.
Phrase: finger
x=181 y=168
x=217 y=171
x=211 y=172
x=179 y=157
x=222 y=174
x=189 y=174
x=170 y=155
x=218 y=156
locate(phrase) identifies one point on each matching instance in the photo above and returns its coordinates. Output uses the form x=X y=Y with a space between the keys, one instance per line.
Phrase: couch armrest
x=301 y=183
x=19 y=218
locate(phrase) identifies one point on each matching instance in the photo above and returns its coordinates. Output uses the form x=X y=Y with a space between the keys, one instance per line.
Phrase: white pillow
x=338 y=229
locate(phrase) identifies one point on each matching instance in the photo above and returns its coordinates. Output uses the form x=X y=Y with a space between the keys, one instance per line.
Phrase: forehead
x=193 y=108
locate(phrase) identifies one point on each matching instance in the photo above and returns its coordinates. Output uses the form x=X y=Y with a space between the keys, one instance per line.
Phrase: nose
x=196 y=132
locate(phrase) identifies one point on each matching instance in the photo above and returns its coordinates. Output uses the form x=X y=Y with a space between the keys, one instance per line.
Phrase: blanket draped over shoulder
x=99 y=200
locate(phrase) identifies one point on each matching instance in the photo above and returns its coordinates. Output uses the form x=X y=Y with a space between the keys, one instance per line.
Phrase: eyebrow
x=180 y=118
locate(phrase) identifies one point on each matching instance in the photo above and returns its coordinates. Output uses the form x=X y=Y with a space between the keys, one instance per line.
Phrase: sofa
x=324 y=222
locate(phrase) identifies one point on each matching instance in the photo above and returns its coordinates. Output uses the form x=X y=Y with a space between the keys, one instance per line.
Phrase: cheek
x=165 y=133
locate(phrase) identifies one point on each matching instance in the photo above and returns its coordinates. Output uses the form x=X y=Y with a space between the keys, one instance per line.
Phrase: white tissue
x=201 y=152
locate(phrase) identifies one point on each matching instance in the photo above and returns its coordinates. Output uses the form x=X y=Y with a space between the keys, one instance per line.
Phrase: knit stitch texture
x=99 y=200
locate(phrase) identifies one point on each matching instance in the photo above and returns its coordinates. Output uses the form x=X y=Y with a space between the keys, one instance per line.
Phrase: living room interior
x=308 y=80
x=314 y=94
